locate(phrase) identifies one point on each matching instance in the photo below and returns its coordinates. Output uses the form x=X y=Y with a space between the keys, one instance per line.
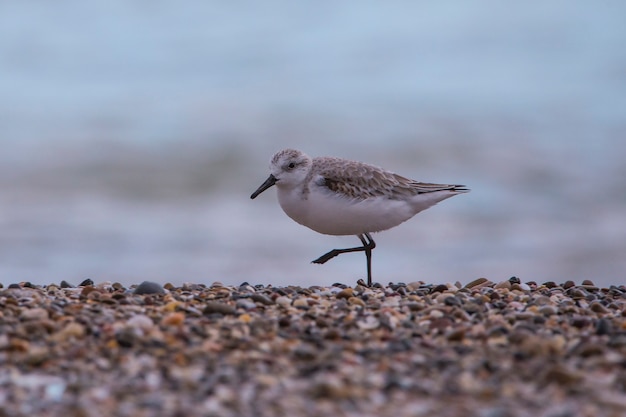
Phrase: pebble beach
x=487 y=349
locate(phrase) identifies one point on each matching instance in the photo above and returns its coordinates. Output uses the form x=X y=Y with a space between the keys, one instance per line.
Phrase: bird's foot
x=326 y=257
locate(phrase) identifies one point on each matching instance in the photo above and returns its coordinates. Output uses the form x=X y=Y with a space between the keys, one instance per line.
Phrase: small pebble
x=301 y=303
x=597 y=307
x=504 y=284
x=452 y=301
x=140 y=321
x=72 y=330
x=173 y=319
x=603 y=326
x=283 y=301
x=548 y=310
x=148 y=287
x=439 y=288
x=577 y=293
x=345 y=293
x=87 y=290
x=368 y=323
x=356 y=301
x=413 y=286
x=515 y=280
x=263 y=299
x=479 y=283
x=212 y=307
x=246 y=304
x=34 y=314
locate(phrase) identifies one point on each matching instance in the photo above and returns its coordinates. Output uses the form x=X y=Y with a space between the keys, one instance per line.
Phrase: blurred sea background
x=132 y=134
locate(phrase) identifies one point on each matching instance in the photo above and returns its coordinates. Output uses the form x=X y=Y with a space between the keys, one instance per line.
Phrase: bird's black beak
x=267 y=184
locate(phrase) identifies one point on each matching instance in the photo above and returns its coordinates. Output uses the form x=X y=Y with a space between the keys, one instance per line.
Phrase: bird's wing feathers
x=361 y=181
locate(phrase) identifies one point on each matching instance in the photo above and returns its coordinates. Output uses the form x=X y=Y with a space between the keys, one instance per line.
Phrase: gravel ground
x=484 y=349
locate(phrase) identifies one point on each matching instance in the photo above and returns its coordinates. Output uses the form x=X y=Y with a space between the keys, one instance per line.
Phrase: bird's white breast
x=334 y=214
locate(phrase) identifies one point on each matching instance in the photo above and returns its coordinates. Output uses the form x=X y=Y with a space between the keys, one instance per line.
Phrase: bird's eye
x=291 y=165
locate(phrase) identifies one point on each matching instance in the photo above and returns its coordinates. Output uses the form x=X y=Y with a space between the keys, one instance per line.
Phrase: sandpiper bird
x=337 y=196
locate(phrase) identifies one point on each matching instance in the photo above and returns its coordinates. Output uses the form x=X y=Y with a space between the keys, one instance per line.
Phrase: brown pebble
x=597 y=307
x=503 y=284
x=88 y=290
x=94 y=295
x=283 y=301
x=18 y=344
x=356 y=301
x=321 y=322
x=576 y=293
x=494 y=296
x=440 y=324
x=332 y=334
x=220 y=293
x=173 y=319
x=477 y=282
x=587 y=349
x=34 y=314
x=541 y=300
x=345 y=293
x=263 y=299
x=72 y=330
x=548 y=310
x=301 y=303
x=456 y=335
x=580 y=322
x=37 y=356
x=415 y=306
x=439 y=288
x=127 y=337
x=561 y=375
x=212 y=307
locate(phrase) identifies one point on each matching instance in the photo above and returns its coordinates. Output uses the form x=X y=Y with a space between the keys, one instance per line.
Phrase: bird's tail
x=424 y=187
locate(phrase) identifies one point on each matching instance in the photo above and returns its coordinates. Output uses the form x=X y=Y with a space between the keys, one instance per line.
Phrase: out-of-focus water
x=132 y=134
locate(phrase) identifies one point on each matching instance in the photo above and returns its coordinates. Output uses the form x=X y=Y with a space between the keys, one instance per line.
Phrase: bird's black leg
x=335 y=252
x=368 y=255
x=368 y=245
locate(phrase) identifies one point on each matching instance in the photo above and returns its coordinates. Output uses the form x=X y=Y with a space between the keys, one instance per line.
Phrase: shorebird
x=339 y=197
